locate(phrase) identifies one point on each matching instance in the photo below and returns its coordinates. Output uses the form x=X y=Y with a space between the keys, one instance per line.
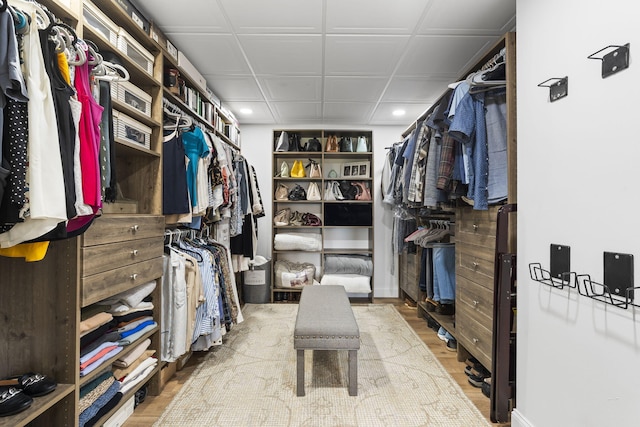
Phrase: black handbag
x=349 y=192
x=294 y=142
x=297 y=193
x=346 y=145
x=313 y=145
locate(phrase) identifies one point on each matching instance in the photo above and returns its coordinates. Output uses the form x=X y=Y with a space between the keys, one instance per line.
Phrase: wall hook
x=613 y=61
x=558 y=87
x=559 y=275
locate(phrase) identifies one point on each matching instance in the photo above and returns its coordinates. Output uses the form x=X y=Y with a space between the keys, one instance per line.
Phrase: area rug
x=251 y=379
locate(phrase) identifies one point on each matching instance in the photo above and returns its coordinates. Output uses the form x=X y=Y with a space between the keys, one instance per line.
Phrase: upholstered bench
x=325 y=321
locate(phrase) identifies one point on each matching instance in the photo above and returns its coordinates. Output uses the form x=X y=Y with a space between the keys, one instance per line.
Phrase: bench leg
x=353 y=372
x=300 y=373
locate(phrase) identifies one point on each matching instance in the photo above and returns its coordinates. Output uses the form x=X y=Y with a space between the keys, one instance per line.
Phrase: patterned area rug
x=251 y=379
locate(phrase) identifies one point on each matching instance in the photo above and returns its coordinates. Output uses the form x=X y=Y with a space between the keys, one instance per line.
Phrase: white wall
x=257 y=148
x=577 y=360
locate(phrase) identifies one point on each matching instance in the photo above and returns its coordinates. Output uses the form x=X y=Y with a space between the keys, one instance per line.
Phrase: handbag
x=282 y=192
x=313 y=145
x=332 y=144
x=361 y=146
x=297 y=193
x=284 y=170
x=283 y=142
x=314 y=169
x=328 y=192
x=294 y=142
x=313 y=192
x=311 y=220
x=346 y=145
x=337 y=192
x=363 y=190
x=349 y=192
x=297 y=170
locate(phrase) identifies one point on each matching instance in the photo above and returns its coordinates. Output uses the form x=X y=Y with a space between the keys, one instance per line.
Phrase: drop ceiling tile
x=298 y=112
x=479 y=17
x=222 y=48
x=363 y=89
x=373 y=17
x=351 y=55
x=275 y=16
x=291 y=88
x=441 y=55
x=172 y=18
x=284 y=54
x=418 y=89
x=348 y=112
x=234 y=88
x=260 y=112
x=384 y=113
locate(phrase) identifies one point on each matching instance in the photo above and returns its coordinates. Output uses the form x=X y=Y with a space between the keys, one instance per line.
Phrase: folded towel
x=353 y=283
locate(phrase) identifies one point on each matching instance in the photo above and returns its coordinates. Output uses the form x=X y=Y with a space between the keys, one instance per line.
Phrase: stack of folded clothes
x=97 y=343
x=351 y=271
x=98 y=397
x=134 y=367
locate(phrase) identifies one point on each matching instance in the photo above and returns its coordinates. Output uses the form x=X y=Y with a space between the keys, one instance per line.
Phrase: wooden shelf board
x=39 y=406
x=134 y=113
x=133 y=149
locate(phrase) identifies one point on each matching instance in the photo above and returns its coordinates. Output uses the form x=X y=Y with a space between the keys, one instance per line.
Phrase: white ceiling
x=330 y=61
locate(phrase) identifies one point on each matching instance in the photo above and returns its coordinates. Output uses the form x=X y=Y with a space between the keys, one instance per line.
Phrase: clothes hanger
x=111 y=72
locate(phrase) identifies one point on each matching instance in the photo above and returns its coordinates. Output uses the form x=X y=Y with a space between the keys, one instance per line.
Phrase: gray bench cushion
x=325 y=320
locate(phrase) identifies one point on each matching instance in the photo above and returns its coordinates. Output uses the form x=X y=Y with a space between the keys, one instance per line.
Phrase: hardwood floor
x=149 y=411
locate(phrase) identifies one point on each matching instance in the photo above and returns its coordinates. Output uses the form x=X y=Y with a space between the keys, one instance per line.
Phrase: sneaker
x=486 y=387
x=476 y=380
x=442 y=334
x=452 y=345
x=282 y=217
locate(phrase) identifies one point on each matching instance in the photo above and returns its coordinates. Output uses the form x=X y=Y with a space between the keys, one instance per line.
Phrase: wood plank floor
x=149 y=411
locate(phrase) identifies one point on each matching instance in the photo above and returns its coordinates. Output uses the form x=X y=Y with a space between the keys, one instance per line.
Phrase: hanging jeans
x=444 y=274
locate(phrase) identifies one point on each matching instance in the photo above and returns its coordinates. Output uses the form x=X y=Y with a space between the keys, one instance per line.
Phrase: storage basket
x=134 y=50
x=131 y=130
x=97 y=20
x=131 y=95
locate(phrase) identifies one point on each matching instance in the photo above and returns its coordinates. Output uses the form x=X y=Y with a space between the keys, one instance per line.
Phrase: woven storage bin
x=133 y=96
x=131 y=130
x=135 y=51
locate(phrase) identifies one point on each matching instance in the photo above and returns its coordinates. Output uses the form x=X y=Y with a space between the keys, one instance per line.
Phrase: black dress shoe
x=448 y=309
x=13 y=400
x=32 y=384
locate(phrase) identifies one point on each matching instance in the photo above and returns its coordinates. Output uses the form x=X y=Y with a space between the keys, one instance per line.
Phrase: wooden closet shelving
x=360 y=236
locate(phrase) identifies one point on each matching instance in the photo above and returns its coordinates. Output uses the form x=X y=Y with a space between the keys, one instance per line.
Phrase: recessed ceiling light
x=246 y=111
x=398 y=113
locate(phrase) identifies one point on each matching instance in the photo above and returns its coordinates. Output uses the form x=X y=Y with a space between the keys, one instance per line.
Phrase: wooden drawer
x=473 y=335
x=410 y=273
x=103 y=285
x=473 y=267
x=100 y=258
x=479 y=301
x=119 y=228
x=469 y=220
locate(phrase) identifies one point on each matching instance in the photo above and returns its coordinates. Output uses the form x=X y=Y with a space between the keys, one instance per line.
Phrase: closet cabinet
x=347 y=225
x=43 y=301
x=475 y=241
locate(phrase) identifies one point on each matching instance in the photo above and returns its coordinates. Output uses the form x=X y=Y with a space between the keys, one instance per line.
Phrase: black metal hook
x=614 y=61
x=558 y=88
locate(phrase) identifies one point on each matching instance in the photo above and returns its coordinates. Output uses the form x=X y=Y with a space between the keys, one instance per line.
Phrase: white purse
x=328 y=192
x=313 y=192
x=362 y=147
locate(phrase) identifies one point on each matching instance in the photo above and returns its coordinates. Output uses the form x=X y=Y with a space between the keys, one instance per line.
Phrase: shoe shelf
x=39 y=406
x=559 y=273
x=616 y=289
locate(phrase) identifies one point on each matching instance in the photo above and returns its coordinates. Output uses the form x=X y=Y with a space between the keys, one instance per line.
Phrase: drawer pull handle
x=134 y=252
x=475 y=340
x=475 y=227
x=475 y=265
x=134 y=228
x=475 y=303
x=134 y=276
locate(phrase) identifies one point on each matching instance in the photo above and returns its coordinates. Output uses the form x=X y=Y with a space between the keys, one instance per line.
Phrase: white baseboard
x=519 y=420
